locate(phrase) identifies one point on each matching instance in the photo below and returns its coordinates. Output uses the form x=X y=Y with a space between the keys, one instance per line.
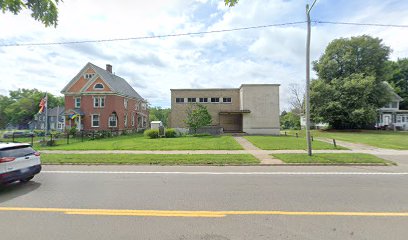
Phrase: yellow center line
x=175 y=213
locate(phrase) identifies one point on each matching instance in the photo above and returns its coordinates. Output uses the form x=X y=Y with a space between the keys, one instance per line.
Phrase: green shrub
x=170 y=133
x=151 y=133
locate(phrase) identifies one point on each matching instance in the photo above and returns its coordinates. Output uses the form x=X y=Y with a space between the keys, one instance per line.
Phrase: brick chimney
x=109 y=68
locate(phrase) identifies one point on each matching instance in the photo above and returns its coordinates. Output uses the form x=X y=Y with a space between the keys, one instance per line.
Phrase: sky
x=217 y=60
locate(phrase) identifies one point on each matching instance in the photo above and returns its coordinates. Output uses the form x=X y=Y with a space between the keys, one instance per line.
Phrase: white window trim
x=76 y=105
x=96 y=100
x=95 y=88
x=92 y=120
x=227 y=97
x=116 y=120
x=125 y=103
x=133 y=119
x=215 y=102
x=126 y=119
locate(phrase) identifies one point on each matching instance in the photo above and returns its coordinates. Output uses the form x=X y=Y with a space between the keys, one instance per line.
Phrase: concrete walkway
x=262 y=155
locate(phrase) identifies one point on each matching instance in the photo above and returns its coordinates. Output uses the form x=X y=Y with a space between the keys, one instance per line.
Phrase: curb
x=227 y=165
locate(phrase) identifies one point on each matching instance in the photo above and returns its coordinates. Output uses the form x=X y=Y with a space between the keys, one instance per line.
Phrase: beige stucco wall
x=178 y=110
x=263 y=102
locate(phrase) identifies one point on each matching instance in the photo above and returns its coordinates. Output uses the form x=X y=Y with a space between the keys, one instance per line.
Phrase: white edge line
x=229 y=173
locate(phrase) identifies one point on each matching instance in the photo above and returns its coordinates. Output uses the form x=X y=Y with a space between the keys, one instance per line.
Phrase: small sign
x=161 y=131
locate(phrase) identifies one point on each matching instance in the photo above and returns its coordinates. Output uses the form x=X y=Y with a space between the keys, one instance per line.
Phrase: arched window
x=113 y=120
x=98 y=86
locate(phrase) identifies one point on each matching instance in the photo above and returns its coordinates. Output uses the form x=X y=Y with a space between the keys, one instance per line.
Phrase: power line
x=149 y=37
x=361 y=24
x=199 y=33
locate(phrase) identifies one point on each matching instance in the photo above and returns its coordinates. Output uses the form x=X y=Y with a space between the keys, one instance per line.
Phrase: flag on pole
x=43 y=104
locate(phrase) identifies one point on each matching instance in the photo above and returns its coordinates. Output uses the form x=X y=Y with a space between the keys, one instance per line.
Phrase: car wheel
x=26 y=179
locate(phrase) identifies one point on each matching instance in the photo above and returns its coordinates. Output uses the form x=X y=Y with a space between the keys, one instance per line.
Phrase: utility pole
x=308 y=139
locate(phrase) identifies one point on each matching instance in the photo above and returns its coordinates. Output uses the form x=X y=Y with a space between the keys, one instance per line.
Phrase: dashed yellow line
x=208 y=214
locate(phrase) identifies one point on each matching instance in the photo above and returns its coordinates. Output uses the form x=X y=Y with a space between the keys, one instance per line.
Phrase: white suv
x=18 y=162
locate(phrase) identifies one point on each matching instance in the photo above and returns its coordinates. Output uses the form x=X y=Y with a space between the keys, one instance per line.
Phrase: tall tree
x=399 y=79
x=346 y=56
x=350 y=87
x=45 y=11
x=197 y=116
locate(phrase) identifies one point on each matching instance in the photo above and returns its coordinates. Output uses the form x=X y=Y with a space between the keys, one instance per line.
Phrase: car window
x=16 y=152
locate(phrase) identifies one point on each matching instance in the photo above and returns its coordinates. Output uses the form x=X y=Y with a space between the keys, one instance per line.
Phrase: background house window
x=126 y=120
x=215 y=99
x=113 y=120
x=102 y=100
x=191 y=99
x=95 y=120
x=179 y=100
x=394 y=105
x=125 y=103
x=77 y=102
x=98 y=86
x=144 y=106
x=203 y=99
x=226 y=99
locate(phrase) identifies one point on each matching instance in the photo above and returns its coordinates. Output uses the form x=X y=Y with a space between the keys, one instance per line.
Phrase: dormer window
x=89 y=75
x=98 y=86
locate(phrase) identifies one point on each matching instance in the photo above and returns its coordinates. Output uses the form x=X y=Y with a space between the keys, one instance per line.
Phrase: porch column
x=79 y=122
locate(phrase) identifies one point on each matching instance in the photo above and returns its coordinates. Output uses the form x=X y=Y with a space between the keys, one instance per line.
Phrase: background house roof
x=117 y=84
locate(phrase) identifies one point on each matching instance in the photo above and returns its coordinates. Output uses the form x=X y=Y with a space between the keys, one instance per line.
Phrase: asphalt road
x=130 y=202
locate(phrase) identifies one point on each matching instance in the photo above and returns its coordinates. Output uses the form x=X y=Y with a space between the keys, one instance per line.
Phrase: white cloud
x=154 y=66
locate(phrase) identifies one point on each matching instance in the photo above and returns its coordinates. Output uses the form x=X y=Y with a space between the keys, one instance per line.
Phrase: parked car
x=18 y=162
x=18 y=134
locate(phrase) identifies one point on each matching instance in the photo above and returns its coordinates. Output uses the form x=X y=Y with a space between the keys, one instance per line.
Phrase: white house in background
x=390 y=116
x=313 y=125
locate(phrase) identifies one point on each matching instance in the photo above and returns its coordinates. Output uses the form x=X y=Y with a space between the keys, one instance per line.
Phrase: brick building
x=97 y=99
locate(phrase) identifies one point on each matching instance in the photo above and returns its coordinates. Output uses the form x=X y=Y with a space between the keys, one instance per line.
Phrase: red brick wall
x=113 y=103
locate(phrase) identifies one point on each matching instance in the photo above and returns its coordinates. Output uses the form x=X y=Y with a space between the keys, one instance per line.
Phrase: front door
x=387 y=119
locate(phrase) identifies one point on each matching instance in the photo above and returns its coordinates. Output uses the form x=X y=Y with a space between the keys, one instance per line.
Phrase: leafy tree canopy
x=350 y=85
x=22 y=104
x=197 y=116
x=346 y=56
x=45 y=11
x=398 y=78
x=230 y=3
x=348 y=103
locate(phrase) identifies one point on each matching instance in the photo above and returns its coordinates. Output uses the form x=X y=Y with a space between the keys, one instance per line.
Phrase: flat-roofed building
x=251 y=108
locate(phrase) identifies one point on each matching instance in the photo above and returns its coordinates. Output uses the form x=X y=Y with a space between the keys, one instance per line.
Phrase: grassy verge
x=288 y=143
x=159 y=159
x=139 y=142
x=381 y=139
x=331 y=158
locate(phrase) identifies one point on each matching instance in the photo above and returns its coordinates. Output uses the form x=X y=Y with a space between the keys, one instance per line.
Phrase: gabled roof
x=117 y=84
x=395 y=96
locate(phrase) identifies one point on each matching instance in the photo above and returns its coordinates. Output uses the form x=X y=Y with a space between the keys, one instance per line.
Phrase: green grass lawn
x=330 y=158
x=288 y=143
x=381 y=139
x=139 y=142
x=159 y=159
